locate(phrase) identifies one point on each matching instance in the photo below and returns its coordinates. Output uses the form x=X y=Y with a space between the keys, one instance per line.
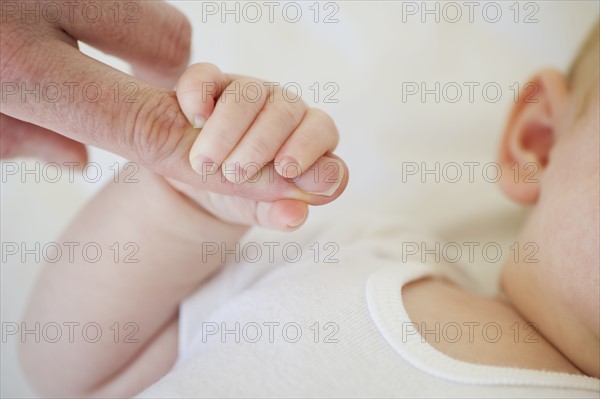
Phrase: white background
x=367 y=54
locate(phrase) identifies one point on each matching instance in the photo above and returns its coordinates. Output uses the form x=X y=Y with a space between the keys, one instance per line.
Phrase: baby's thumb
x=198 y=90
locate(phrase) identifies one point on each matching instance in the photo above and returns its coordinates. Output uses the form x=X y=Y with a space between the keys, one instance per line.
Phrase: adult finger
x=51 y=84
x=153 y=36
x=22 y=139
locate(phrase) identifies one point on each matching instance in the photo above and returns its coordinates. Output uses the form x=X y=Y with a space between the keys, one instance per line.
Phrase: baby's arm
x=118 y=298
x=169 y=231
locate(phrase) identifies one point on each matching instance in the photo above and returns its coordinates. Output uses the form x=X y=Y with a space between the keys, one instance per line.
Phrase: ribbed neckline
x=384 y=299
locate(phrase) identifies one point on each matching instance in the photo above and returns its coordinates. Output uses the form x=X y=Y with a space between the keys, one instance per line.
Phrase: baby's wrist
x=198 y=200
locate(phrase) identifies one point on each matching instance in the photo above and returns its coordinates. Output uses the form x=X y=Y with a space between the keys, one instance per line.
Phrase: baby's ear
x=531 y=133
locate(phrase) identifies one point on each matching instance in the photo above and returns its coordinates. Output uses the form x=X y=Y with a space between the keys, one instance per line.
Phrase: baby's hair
x=584 y=72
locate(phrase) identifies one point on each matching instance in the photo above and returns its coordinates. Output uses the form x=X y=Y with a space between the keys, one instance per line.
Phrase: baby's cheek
x=571 y=225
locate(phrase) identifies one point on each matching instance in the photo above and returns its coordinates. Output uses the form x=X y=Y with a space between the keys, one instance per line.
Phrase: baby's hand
x=252 y=132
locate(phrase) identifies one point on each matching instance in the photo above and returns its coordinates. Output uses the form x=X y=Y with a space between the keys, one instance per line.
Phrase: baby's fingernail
x=199 y=122
x=204 y=165
x=233 y=172
x=289 y=168
x=325 y=179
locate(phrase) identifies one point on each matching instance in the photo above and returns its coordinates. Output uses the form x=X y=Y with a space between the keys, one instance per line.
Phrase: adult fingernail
x=324 y=178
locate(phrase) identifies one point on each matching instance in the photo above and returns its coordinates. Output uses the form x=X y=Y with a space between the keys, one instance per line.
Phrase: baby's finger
x=234 y=113
x=264 y=138
x=316 y=135
x=283 y=215
x=198 y=90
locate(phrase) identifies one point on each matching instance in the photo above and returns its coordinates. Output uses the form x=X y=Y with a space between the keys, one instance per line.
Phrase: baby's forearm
x=132 y=301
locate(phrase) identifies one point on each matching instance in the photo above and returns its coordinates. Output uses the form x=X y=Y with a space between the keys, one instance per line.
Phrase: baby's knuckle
x=250 y=91
x=323 y=117
x=325 y=121
x=288 y=113
x=258 y=148
x=212 y=71
x=224 y=140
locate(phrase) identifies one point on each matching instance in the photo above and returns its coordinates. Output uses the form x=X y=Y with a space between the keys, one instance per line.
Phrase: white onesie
x=330 y=322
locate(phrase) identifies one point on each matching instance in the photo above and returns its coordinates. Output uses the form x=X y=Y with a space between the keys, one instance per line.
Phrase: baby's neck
x=512 y=342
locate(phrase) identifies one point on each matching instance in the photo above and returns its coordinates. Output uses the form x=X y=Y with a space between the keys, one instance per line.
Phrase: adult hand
x=44 y=76
x=48 y=85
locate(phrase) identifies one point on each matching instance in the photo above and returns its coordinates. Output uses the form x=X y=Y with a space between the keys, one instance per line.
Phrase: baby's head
x=554 y=129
